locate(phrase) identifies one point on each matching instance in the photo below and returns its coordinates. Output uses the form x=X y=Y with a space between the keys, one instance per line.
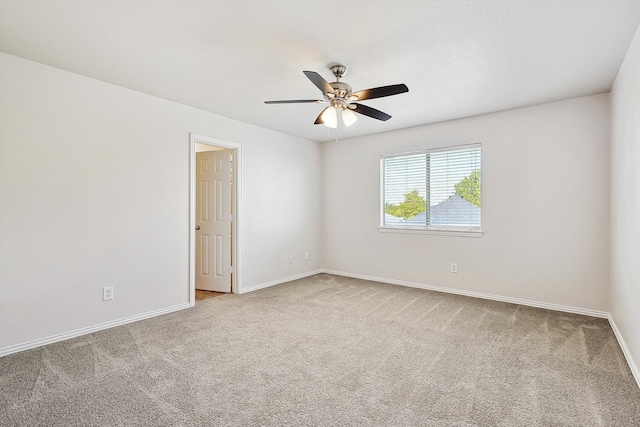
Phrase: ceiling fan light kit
x=329 y=117
x=341 y=98
x=348 y=117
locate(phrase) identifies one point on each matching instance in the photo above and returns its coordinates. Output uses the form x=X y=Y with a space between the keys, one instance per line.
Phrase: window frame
x=450 y=230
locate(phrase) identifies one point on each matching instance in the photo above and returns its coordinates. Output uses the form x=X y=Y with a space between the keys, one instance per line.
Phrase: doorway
x=214 y=216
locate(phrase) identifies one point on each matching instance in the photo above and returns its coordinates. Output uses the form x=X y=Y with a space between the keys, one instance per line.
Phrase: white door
x=213 y=220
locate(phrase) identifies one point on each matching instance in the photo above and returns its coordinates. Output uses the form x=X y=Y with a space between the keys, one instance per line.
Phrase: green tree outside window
x=413 y=204
x=469 y=188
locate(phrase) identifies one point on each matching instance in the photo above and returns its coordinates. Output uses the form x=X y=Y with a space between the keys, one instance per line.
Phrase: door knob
x=197 y=227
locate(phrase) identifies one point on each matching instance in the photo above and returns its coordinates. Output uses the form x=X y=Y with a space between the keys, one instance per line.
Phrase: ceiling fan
x=341 y=98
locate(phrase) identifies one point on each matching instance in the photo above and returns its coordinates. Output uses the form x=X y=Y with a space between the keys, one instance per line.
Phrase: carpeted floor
x=330 y=351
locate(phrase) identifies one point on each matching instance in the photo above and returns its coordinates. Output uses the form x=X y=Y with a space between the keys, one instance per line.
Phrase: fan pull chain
x=329 y=133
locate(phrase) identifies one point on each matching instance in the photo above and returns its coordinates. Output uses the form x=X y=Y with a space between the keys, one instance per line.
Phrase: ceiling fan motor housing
x=342 y=89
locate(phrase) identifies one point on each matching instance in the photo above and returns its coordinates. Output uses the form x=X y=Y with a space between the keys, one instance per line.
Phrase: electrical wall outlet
x=290 y=259
x=454 y=267
x=107 y=293
x=306 y=255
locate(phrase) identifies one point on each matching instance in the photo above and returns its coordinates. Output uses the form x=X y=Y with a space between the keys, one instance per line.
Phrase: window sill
x=434 y=231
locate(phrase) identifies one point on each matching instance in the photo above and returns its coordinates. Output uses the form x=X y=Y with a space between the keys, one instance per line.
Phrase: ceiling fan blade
x=296 y=101
x=321 y=83
x=368 y=111
x=379 y=92
x=319 y=120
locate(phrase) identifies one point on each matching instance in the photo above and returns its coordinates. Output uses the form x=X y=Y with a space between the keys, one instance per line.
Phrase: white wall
x=625 y=203
x=94 y=191
x=544 y=213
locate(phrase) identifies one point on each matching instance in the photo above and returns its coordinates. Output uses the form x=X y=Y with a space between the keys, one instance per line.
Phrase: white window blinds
x=434 y=189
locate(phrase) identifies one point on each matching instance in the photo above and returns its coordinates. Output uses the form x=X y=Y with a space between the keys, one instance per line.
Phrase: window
x=436 y=189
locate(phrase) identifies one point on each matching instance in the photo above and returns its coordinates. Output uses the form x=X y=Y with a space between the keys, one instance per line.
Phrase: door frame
x=235 y=206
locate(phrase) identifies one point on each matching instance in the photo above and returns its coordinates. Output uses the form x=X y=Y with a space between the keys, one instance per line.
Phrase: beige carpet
x=330 y=351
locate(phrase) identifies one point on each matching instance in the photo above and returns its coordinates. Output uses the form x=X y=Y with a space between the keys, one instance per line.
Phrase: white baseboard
x=549 y=306
x=88 y=330
x=625 y=350
x=252 y=288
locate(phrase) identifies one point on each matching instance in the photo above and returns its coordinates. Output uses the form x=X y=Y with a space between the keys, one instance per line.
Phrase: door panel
x=213 y=217
x=204 y=255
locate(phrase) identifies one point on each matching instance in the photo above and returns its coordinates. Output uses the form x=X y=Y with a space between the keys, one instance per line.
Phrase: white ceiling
x=458 y=58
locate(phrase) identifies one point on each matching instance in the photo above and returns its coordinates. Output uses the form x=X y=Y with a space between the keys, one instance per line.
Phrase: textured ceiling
x=458 y=58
